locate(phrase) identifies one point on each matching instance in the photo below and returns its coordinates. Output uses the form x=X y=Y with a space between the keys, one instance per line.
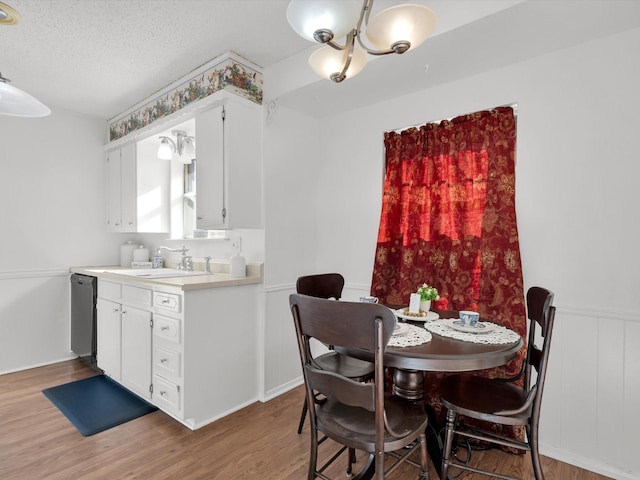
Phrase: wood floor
x=258 y=442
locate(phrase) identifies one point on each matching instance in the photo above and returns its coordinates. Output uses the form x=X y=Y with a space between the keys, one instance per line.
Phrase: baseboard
x=586 y=463
x=37 y=365
x=271 y=394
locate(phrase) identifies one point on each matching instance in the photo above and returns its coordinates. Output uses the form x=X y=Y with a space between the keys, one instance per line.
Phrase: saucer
x=401 y=329
x=479 y=327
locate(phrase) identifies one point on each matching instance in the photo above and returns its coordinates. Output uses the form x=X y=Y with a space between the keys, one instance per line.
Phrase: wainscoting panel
x=282 y=369
x=34 y=319
x=592 y=392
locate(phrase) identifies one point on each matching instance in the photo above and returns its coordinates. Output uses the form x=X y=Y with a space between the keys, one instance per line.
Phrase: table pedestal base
x=408 y=384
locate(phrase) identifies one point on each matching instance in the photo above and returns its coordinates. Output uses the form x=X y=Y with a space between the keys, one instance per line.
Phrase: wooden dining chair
x=501 y=401
x=356 y=415
x=330 y=285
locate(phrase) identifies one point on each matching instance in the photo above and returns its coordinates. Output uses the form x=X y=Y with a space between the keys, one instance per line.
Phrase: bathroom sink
x=156 y=273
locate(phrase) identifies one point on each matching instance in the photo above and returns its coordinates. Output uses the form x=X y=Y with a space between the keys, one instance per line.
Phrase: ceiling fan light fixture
x=18 y=103
x=8 y=16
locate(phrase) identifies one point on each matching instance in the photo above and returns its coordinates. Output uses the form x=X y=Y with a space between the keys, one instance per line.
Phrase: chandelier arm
x=336 y=45
x=350 y=43
x=367 y=7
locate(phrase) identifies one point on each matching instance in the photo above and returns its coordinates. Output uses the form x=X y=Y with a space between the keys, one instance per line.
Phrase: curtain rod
x=512 y=105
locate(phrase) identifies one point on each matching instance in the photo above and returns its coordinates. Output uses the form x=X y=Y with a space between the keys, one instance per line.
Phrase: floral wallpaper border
x=229 y=72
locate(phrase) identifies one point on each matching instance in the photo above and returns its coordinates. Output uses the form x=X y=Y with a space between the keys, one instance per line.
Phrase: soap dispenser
x=157 y=259
x=238 y=266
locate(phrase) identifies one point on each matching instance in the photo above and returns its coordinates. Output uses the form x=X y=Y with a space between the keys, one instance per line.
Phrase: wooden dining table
x=441 y=354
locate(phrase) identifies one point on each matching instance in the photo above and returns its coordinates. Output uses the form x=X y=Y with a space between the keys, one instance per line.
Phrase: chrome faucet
x=186 y=262
x=207 y=266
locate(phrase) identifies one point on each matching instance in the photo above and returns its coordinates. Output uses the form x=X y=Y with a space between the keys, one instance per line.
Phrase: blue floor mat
x=97 y=403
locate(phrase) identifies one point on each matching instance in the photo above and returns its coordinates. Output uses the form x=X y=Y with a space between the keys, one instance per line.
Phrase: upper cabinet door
x=137 y=190
x=128 y=181
x=210 y=174
x=114 y=197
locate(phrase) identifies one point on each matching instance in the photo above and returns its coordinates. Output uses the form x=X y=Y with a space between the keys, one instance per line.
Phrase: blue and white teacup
x=469 y=318
x=369 y=299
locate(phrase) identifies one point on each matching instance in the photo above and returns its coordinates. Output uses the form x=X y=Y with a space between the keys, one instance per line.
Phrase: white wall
x=577 y=183
x=291 y=158
x=52 y=208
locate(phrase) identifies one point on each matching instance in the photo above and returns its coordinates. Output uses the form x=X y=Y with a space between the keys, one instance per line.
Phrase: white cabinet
x=200 y=357
x=108 y=337
x=136 y=350
x=124 y=335
x=229 y=166
x=137 y=190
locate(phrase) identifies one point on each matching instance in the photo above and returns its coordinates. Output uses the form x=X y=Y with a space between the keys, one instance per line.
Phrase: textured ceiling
x=102 y=56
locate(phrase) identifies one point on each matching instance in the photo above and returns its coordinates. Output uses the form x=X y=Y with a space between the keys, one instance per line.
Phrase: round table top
x=444 y=354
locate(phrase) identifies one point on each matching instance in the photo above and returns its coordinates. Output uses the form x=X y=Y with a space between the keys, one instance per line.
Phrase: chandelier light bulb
x=327 y=61
x=401 y=28
x=333 y=18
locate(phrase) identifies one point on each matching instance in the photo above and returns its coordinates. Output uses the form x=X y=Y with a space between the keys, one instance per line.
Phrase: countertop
x=219 y=278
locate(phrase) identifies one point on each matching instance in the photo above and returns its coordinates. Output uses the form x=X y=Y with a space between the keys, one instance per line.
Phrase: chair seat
x=353 y=368
x=356 y=427
x=481 y=398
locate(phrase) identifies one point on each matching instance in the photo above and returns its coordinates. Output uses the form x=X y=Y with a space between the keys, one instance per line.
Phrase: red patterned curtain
x=448 y=219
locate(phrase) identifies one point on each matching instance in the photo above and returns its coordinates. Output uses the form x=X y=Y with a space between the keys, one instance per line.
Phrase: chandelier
x=397 y=29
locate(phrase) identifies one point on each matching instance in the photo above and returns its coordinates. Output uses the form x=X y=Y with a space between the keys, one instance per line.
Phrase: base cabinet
x=136 y=350
x=108 y=337
x=191 y=353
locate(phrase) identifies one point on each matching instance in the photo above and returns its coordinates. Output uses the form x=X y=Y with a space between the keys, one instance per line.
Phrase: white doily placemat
x=499 y=335
x=415 y=336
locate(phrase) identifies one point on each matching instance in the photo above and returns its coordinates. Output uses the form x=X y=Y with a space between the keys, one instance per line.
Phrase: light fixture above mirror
x=397 y=29
x=182 y=150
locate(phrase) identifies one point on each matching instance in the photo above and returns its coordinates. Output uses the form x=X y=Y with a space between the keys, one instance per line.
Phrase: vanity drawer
x=166 y=362
x=109 y=290
x=167 y=328
x=140 y=296
x=167 y=301
x=166 y=394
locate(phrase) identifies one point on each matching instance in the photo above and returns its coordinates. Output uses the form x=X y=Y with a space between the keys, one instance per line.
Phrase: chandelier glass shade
x=18 y=103
x=183 y=150
x=397 y=29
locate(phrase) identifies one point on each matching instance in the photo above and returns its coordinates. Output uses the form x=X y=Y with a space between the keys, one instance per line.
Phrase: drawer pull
x=162 y=393
x=163 y=360
x=164 y=329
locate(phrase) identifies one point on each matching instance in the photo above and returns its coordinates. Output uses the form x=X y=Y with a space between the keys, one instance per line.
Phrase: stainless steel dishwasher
x=84 y=292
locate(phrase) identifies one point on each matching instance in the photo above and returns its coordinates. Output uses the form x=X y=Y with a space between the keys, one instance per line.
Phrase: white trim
x=37 y=365
x=9 y=275
x=282 y=389
x=585 y=463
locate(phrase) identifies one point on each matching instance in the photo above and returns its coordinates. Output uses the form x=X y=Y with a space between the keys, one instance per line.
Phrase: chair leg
x=303 y=415
x=535 y=454
x=448 y=444
x=424 y=457
x=313 y=456
x=351 y=460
